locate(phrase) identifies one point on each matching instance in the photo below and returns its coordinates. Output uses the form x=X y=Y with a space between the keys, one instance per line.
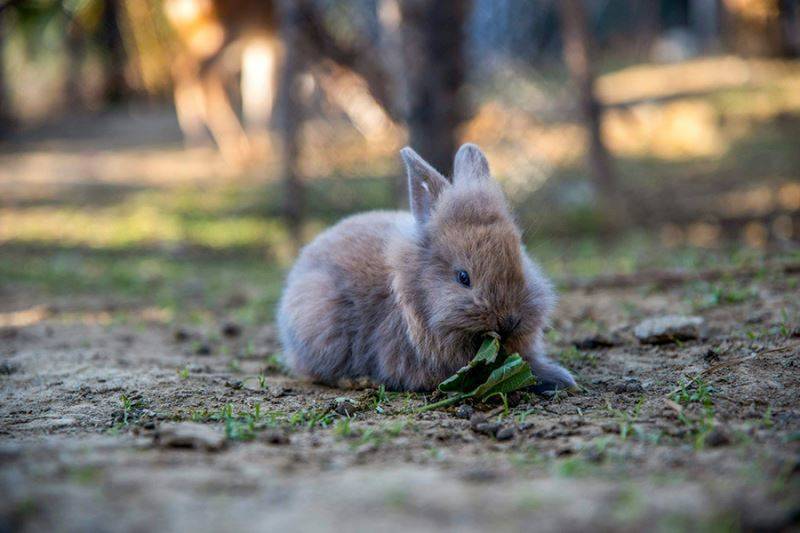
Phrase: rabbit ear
x=470 y=164
x=425 y=184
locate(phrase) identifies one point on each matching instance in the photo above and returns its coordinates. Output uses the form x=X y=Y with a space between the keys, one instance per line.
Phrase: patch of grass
x=274 y=364
x=260 y=379
x=379 y=398
x=786 y=327
x=85 y=475
x=311 y=418
x=174 y=284
x=522 y=416
x=697 y=392
x=697 y=409
x=576 y=466
x=382 y=434
x=709 y=295
x=766 y=419
x=243 y=425
x=131 y=409
x=627 y=419
x=342 y=428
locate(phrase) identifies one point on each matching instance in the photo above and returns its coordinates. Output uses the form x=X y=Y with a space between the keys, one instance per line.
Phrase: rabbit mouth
x=477 y=339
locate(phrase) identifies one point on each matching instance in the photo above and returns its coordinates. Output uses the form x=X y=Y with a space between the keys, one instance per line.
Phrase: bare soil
x=82 y=396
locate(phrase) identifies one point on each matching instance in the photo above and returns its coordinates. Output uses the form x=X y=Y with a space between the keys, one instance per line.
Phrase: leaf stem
x=444 y=403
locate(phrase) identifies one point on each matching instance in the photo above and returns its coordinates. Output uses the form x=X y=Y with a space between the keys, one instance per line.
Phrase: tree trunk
x=755 y=27
x=5 y=113
x=647 y=24
x=291 y=111
x=789 y=18
x=76 y=50
x=116 y=86
x=434 y=58
x=578 y=48
x=704 y=18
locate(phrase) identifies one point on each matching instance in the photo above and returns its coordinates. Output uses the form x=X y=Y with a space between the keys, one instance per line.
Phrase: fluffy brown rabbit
x=404 y=298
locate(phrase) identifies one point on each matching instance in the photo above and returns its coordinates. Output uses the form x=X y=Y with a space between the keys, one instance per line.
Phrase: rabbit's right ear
x=425 y=184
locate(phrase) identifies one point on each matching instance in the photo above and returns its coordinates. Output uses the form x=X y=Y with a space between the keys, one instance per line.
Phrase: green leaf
x=513 y=375
x=476 y=372
x=487 y=352
x=491 y=371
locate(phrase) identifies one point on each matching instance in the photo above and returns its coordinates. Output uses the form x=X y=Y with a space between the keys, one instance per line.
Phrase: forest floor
x=137 y=288
x=91 y=384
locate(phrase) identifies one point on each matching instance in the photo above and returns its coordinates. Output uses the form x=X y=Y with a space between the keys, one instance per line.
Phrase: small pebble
x=596 y=341
x=629 y=386
x=480 y=475
x=235 y=384
x=475 y=419
x=345 y=407
x=275 y=436
x=465 y=411
x=203 y=349
x=7 y=368
x=487 y=428
x=231 y=330
x=506 y=433
x=189 y=435
x=718 y=436
x=668 y=329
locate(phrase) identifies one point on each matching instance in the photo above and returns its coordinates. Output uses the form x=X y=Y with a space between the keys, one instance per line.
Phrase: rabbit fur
x=378 y=295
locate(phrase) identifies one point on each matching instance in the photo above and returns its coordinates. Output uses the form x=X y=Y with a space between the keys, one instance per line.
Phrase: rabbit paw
x=551 y=377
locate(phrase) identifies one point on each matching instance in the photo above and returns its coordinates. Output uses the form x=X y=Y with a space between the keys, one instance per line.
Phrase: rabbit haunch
x=378 y=294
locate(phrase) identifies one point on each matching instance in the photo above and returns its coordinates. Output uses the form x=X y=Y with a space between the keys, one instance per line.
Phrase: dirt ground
x=136 y=293
x=84 y=396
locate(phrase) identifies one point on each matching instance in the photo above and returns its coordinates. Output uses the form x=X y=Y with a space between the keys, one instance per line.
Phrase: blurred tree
x=578 y=49
x=762 y=27
x=217 y=38
x=75 y=46
x=646 y=23
x=146 y=36
x=5 y=115
x=704 y=19
x=291 y=114
x=428 y=94
x=109 y=37
x=789 y=19
x=435 y=65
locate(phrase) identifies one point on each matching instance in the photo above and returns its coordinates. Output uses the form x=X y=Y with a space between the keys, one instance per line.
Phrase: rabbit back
x=336 y=316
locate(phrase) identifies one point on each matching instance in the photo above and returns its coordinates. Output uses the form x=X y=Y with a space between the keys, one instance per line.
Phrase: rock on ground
x=668 y=329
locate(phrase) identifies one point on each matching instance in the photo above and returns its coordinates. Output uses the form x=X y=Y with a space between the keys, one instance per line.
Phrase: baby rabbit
x=405 y=298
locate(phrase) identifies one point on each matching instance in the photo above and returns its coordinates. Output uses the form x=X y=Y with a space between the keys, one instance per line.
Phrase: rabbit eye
x=463 y=277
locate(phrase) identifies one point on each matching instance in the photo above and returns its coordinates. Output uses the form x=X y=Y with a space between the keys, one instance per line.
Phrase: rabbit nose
x=507 y=325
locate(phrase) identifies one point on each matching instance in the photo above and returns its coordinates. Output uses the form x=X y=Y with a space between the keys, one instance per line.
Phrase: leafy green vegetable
x=513 y=375
x=477 y=371
x=492 y=371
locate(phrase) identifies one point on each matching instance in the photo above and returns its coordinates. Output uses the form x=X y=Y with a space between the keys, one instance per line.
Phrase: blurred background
x=182 y=150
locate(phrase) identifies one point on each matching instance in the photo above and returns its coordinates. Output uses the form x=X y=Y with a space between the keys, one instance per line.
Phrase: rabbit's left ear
x=425 y=184
x=470 y=164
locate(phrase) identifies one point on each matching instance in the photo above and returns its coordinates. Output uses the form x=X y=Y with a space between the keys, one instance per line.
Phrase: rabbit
x=404 y=299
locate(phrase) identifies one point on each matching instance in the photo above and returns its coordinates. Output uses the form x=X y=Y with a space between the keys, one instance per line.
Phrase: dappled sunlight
x=672 y=131
x=24 y=317
x=688 y=78
x=62 y=162
x=522 y=148
x=760 y=200
x=137 y=225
